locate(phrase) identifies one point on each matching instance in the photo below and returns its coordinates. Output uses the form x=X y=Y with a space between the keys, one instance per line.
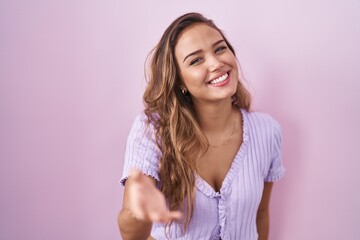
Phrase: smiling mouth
x=219 y=79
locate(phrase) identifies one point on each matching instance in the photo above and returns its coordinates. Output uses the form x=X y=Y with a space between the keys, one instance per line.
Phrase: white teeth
x=220 y=79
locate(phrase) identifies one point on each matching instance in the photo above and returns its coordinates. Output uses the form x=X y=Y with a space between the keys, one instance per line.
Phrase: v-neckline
x=204 y=187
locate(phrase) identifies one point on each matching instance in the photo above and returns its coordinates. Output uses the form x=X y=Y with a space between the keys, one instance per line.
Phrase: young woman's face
x=207 y=66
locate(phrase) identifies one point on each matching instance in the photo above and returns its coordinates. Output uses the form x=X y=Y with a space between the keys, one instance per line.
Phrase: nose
x=215 y=64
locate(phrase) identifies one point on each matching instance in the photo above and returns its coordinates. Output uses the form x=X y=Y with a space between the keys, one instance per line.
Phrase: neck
x=215 y=117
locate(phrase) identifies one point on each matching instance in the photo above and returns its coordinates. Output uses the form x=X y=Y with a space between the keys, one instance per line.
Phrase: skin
x=143 y=204
x=263 y=218
x=202 y=56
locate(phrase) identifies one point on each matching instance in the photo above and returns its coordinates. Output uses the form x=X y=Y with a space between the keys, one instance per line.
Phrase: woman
x=205 y=163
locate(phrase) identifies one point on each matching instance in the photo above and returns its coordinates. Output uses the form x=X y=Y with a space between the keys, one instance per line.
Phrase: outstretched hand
x=146 y=202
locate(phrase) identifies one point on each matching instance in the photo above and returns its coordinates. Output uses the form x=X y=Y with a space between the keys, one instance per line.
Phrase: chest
x=215 y=164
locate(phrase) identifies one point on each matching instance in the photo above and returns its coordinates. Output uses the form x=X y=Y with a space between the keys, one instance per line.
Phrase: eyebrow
x=198 y=51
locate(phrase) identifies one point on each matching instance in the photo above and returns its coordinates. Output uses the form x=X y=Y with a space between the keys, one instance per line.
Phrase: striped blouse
x=231 y=212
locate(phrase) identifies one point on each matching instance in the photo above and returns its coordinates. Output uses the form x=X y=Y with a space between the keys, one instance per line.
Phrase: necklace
x=227 y=140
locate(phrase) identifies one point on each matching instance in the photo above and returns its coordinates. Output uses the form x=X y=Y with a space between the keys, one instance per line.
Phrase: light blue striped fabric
x=231 y=212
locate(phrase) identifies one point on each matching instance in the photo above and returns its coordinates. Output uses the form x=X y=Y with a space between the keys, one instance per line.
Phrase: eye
x=195 y=61
x=220 y=49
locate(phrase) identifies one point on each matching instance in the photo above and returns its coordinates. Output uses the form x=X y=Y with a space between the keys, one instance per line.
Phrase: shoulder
x=142 y=135
x=261 y=125
x=142 y=121
x=142 y=129
x=260 y=119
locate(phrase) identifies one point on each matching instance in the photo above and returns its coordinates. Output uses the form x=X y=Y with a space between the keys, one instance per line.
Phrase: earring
x=234 y=100
x=185 y=97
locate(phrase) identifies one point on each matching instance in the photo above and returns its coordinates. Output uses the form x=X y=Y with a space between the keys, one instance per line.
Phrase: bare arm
x=143 y=204
x=131 y=227
x=262 y=218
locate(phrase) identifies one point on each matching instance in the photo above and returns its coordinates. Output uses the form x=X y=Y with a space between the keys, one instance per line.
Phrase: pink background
x=71 y=81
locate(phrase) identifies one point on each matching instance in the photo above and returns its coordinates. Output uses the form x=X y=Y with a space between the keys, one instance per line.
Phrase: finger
x=155 y=217
x=175 y=215
x=165 y=217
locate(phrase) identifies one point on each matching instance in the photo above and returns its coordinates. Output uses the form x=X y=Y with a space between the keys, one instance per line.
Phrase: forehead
x=196 y=37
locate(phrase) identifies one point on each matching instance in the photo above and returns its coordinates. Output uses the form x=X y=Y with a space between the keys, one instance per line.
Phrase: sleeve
x=276 y=169
x=141 y=150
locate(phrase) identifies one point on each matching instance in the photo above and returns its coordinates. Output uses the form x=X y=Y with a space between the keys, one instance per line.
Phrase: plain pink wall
x=71 y=81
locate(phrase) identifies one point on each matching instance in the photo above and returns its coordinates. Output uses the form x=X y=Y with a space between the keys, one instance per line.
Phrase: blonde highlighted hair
x=177 y=130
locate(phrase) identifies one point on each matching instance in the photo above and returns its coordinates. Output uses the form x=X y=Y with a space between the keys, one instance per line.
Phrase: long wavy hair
x=172 y=114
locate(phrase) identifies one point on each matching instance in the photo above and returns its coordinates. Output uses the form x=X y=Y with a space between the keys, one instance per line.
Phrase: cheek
x=236 y=73
x=195 y=77
x=235 y=69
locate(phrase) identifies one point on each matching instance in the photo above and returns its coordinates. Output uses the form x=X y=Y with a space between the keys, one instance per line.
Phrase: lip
x=219 y=75
x=220 y=84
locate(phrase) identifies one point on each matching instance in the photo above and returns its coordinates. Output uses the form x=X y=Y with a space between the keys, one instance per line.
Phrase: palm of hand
x=147 y=203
